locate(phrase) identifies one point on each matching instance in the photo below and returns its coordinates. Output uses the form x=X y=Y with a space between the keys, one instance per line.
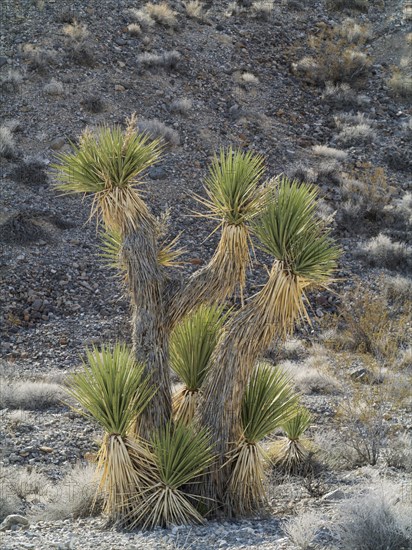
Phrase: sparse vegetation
x=7 y=145
x=30 y=395
x=302 y=529
x=381 y=251
x=377 y=521
x=162 y=14
x=158 y=130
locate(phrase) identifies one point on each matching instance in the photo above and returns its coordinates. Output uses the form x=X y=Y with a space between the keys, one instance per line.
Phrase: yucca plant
x=112 y=392
x=291 y=451
x=191 y=345
x=108 y=164
x=181 y=456
x=269 y=401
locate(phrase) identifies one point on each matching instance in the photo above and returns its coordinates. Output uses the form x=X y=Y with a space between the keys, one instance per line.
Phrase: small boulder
x=12 y=520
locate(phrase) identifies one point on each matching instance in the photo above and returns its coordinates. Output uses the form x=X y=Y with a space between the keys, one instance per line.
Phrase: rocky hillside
x=323 y=90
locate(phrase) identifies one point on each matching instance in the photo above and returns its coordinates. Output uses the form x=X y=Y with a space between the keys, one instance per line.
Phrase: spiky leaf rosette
x=268 y=402
x=112 y=391
x=108 y=164
x=232 y=187
x=181 y=456
x=290 y=452
x=305 y=254
x=111 y=388
x=191 y=345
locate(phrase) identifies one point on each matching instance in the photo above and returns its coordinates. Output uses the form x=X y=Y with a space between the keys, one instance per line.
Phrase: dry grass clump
x=249 y=78
x=311 y=376
x=263 y=9
x=353 y=32
x=332 y=450
x=27 y=484
x=398 y=288
x=134 y=29
x=76 y=31
x=381 y=251
x=7 y=144
x=11 y=81
x=329 y=152
x=157 y=129
x=181 y=106
x=38 y=58
x=334 y=59
x=353 y=130
x=403 y=208
x=400 y=83
x=302 y=529
x=343 y=96
x=167 y=60
x=162 y=14
x=53 y=88
x=301 y=172
x=31 y=172
x=142 y=17
x=378 y=520
x=30 y=395
x=194 y=9
x=74 y=497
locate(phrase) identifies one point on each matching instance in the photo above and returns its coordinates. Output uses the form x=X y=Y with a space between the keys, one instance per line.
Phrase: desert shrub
x=399 y=452
x=381 y=251
x=9 y=503
x=93 y=104
x=332 y=450
x=353 y=130
x=194 y=9
x=334 y=59
x=38 y=59
x=329 y=152
x=263 y=9
x=31 y=172
x=53 y=88
x=29 y=395
x=11 y=81
x=7 y=145
x=302 y=529
x=367 y=325
x=353 y=32
x=363 y=428
x=181 y=106
x=378 y=520
x=142 y=17
x=342 y=96
x=157 y=129
x=400 y=83
x=162 y=14
x=134 y=29
x=356 y=5
x=26 y=484
x=76 y=31
x=309 y=379
x=167 y=60
x=365 y=196
x=398 y=288
x=302 y=172
x=73 y=497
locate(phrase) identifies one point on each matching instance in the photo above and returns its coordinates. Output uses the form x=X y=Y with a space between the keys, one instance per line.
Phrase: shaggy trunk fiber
x=218 y=279
x=248 y=335
x=149 y=332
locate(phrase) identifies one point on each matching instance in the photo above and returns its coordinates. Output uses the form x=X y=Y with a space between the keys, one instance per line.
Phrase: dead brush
x=367 y=325
x=334 y=59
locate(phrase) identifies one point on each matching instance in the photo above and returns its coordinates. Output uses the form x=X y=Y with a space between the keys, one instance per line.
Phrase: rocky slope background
x=323 y=90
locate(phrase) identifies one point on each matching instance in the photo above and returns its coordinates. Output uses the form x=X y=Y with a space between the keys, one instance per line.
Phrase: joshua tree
x=281 y=216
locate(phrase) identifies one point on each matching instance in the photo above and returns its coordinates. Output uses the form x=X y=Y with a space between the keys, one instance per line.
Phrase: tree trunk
x=249 y=333
x=150 y=337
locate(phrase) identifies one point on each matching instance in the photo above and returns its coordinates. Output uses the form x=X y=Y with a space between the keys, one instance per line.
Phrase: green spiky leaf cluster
x=290 y=230
x=192 y=343
x=232 y=186
x=111 y=388
x=180 y=456
x=107 y=159
x=296 y=426
x=269 y=401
